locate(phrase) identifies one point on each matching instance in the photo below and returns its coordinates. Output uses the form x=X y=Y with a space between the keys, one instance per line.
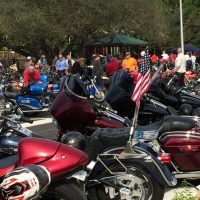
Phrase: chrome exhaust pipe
x=188 y=175
x=30 y=111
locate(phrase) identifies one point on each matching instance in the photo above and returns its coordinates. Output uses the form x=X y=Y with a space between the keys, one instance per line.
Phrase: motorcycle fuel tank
x=58 y=158
x=184 y=148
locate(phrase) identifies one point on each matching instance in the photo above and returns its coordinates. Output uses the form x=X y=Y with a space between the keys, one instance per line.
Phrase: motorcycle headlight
x=55 y=123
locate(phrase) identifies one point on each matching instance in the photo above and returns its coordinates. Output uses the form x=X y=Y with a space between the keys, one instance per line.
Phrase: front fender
x=158 y=170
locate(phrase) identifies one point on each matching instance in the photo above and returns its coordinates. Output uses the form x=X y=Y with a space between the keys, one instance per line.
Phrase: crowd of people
x=63 y=66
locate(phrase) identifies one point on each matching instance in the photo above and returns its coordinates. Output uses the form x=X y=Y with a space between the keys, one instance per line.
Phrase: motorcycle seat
x=167 y=124
x=105 y=138
x=7 y=164
x=155 y=88
x=11 y=95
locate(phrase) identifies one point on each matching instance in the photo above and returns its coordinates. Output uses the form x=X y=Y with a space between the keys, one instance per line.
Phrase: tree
x=47 y=25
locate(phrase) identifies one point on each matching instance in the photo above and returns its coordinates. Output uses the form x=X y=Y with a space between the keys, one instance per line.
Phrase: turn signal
x=165 y=158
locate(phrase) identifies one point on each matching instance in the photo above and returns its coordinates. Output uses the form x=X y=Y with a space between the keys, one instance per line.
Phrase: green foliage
x=186 y=194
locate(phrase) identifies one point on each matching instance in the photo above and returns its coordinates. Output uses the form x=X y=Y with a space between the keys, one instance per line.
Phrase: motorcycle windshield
x=76 y=88
x=72 y=108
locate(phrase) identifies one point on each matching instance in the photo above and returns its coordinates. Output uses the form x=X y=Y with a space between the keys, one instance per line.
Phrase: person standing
x=112 y=67
x=130 y=63
x=165 y=55
x=193 y=58
x=154 y=59
x=180 y=66
x=97 y=69
x=61 y=66
x=70 y=62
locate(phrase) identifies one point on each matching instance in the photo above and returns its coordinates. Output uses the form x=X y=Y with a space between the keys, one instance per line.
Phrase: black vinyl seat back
x=105 y=138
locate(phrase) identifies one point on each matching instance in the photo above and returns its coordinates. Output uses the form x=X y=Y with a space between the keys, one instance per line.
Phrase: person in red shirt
x=30 y=74
x=153 y=58
x=112 y=67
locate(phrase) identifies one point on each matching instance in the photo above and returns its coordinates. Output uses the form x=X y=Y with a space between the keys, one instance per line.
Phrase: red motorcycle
x=105 y=172
x=78 y=112
x=191 y=78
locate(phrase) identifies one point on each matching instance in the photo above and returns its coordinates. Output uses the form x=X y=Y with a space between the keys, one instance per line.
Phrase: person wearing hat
x=97 y=69
x=32 y=61
x=130 y=63
x=112 y=67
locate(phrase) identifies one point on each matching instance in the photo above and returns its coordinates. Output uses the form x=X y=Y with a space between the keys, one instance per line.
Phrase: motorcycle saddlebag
x=184 y=148
x=38 y=88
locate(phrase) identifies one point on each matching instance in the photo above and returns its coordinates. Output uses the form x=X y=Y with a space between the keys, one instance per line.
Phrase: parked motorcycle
x=61 y=161
x=11 y=133
x=38 y=100
x=180 y=138
x=97 y=92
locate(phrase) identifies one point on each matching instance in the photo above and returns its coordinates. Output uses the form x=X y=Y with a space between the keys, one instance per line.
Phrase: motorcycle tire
x=63 y=189
x=49 y=97
x=153 y=189
x=99 y=98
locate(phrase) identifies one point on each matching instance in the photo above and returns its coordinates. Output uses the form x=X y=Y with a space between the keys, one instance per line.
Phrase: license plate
x=155 y=146
x=81 y=175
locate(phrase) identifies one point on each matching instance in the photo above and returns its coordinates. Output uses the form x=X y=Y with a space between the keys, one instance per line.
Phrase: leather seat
x=107 y=137
x=167 y=124
x=11 y=95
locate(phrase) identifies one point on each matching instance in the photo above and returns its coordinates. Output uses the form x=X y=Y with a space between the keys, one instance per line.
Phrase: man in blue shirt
x=61 y=66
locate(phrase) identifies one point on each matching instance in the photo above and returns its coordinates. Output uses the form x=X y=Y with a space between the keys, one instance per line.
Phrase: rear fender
x=158 y=170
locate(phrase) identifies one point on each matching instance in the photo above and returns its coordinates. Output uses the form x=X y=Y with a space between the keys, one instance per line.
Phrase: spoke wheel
x=138 y=182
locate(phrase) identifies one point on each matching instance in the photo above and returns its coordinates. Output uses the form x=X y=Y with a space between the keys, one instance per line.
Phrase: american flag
x=143 y=80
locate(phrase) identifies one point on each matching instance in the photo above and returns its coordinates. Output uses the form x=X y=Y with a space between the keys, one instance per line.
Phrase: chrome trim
x=158 y=103
x=114 y=116
x=70 y=92
x=188 y=175
x=170 y=183
x=29 y=111
x=188 y=134
x=191 y=95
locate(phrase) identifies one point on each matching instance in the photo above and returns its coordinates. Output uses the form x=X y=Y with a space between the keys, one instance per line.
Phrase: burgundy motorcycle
x=105 y=171
x=177 y=135
x=72 y=110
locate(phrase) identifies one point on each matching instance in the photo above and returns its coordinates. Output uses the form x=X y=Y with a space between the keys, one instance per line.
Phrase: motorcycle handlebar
x=150 y=96
x=25 y=119
x=105 y=108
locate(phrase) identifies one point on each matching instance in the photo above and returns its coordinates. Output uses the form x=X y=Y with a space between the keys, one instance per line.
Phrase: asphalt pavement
x=44 y=126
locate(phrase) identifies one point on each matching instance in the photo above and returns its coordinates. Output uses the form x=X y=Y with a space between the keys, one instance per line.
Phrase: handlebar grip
x=111 y=110
x=25 y=119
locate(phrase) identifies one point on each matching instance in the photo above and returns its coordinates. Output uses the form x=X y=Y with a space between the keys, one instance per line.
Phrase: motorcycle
x=191 y=78
x=11 y=133
x=51 y=155
x=38 y=100
x=180 y=138
x=97 y=92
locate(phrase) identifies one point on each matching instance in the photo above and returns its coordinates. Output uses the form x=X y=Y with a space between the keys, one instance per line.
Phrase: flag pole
x=181 y=26
x=140 y=92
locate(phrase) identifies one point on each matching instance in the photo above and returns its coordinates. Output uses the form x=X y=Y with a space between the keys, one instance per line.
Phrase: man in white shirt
x=180 y=66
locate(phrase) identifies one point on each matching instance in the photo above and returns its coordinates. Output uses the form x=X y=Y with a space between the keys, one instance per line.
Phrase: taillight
x=165 y=158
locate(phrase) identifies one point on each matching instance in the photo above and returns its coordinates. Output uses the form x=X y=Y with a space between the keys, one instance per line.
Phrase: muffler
x=31 y=111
